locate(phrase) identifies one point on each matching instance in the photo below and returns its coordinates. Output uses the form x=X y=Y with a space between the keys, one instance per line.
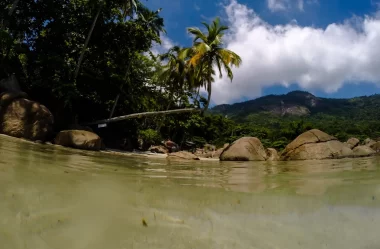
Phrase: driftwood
x=141 y=115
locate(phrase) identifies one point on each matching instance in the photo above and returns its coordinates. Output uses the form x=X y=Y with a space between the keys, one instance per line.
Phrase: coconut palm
x=207 y=53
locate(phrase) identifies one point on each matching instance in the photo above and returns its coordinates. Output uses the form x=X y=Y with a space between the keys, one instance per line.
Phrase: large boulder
x=244 y=149
x=362 y=151
x=272 y=154
x=23 y=118
x=315 y=144
x=182 y=155
x=79 y=139
x=353 y=142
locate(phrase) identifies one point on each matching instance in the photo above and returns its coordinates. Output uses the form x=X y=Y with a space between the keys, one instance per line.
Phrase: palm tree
x=152 y=20
x=207 y=52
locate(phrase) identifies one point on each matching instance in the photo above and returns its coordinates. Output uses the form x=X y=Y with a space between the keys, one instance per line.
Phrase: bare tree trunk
x=114 y=105
x=14 y=6
x=86 y=42
x=118 y=96
x=141 y=115
x=167 y=108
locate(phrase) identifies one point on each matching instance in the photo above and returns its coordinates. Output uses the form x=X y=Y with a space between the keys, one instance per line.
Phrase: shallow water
x=62 y=198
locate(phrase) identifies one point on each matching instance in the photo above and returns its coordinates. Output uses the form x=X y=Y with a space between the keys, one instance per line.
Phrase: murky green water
x=54 y=198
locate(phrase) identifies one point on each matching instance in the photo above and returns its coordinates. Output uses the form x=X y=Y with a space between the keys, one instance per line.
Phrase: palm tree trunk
x=114 y=105
x=86 y=42
x=14 y=5
x=209 y=96
x=121 y=88
x=142 y=114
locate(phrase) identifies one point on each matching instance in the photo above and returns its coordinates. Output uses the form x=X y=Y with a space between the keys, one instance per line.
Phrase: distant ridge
x=301 y=104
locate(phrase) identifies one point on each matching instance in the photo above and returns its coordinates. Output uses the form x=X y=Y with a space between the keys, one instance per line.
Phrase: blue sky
x=327 y=47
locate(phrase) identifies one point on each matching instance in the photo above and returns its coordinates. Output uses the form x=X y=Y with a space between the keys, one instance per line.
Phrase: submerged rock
x=182 y=155
x=244 y=149
x=79 y=139
x=315 y=144
x=23 y=118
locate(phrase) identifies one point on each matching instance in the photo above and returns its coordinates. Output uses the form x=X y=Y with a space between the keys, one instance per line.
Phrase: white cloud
x=300 y=5
x=277 y=5
x=284 y=5
x=313 y=58
x=166 y=44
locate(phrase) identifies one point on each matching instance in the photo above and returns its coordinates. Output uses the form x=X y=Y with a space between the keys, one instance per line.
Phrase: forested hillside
x=279 y=118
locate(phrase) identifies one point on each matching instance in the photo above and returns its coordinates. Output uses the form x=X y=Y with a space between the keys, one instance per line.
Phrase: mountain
x=304 y=104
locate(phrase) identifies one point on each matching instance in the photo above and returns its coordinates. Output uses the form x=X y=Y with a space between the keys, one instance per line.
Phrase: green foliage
x=149 y=137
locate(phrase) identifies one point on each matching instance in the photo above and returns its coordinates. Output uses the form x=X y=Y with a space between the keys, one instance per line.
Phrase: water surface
x=61 y=198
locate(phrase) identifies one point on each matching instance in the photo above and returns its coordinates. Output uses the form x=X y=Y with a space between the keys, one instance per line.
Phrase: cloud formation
x=313 y=58
x=282 y=5
x=277 y=5
x=166 y=44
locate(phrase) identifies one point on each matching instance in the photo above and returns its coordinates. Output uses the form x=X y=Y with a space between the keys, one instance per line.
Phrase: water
x=61 y=198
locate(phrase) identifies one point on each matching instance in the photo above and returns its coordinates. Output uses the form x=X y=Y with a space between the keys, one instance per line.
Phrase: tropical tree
x=207 y=52
x=128 y=7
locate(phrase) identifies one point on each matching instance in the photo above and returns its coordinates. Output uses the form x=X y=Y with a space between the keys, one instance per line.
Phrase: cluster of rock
x=315 y=144
x=23 y=118
x=311 y=145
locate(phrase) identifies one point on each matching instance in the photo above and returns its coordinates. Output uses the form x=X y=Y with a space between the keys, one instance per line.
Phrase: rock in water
x=362 y=150
x=244 y=149
x=315 y=144
x=272 y=154
x=182 y=155
x=22 y=118
x=79 y=139
x=353 y=142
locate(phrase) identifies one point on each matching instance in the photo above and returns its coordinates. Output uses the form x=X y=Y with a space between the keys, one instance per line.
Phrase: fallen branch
x=142 y=114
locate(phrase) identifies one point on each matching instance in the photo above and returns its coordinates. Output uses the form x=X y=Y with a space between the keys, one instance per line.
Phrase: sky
x=330 y=48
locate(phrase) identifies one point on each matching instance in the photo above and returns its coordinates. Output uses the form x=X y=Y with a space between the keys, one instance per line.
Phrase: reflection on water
x=62 y=198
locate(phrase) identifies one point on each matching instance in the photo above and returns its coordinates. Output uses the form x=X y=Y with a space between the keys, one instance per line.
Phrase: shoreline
x=107 y=151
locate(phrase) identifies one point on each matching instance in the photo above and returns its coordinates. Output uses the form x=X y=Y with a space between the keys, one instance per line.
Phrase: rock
x=369 y=142
x=375 y=146
x=79 y=139
x=353 y=142
x=244 y=149
x=363 y=150
x=272 y=154
x=226 y=145
x=182 y=155
x=159 y=149
x=213 y=154
x=315 y=144
x=22 y=118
